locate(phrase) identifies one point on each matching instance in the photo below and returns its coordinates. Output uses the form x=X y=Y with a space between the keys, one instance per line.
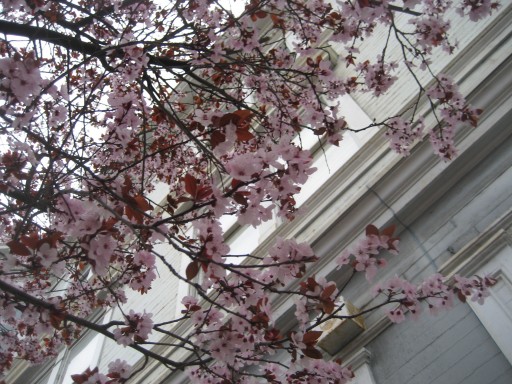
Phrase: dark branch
x=29 y=299
x=75 y=44
x=36 y=33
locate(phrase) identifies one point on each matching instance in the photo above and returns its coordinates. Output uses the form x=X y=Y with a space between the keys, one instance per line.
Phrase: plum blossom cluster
x=365 y=257
x=145 y=271
x=378 y=76
x=21 y=79
x=475 y=287
x=434 y=293
x=318 y=294
x=31 y=332
x=210 y=234
x=453 y=111
x=118 y=372
x=243 y=332
x=477 y=9
x=244 y=319
x=402 y=134
x=286 y=261
x=432 y=31
x=137 y=328
x=234 y=341
x=303 y=371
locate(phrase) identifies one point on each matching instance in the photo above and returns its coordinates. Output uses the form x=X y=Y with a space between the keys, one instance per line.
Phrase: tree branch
x=39 y=303
x=37 y=33
x=75 y=44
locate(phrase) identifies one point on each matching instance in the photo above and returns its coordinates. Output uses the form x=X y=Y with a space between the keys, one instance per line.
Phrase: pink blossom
x=138 y=327
x=477 y=9
x=21 y=77
x=396 y=315
x=119 y=369
x=244 y=167
x=343 y=258
x=48 y=255
x=101 y=249
x=367 y=264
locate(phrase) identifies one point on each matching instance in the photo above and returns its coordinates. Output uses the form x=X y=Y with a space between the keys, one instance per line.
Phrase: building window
x=83 y=354
x=360 y=363
x=490 y=254
x=496 y=314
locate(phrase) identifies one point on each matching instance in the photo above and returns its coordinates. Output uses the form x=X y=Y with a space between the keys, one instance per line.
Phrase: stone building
x=452 y=217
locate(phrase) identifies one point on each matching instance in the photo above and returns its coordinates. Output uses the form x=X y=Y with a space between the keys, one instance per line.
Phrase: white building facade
x=453 y=217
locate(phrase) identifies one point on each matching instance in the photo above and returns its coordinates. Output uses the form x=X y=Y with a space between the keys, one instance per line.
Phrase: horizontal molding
x=481 y=249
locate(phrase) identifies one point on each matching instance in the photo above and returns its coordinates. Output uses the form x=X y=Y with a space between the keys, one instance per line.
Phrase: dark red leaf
x=191 y=185
x=204 y=192
x=142 y=203
x=133 y=214
x=335 y=15
x=78 y=379
x=240 y=199
x=244 y=135
x=311 y=337
x=32 y=241
x=126 y=187
x=313 y=353
x=328 y=306
x=228 y=118
x=276 y=20
x=192 y=270
x=388 y=231
x=196 y=125
x=235 y=183
x=18 y=248
x=56 y=319
x=107 y=226
x=54 y=237
x=372 y=230
x=243 y=114
x=328 y=291
x=84 y=377
x=261 y=318
x=217 y=138
x=260 y=14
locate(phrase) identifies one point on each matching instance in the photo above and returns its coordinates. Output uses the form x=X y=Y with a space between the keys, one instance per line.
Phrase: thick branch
x=37 y=33
x=39 y=303
x=75 y=44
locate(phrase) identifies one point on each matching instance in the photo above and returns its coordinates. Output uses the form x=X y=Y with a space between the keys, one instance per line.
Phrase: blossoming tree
x=101 y=102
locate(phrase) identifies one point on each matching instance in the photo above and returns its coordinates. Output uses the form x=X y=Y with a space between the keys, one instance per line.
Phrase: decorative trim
x=352 y=349
x=363 y=356
x=360 y=365
x=339 y=332
x=482 y=249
